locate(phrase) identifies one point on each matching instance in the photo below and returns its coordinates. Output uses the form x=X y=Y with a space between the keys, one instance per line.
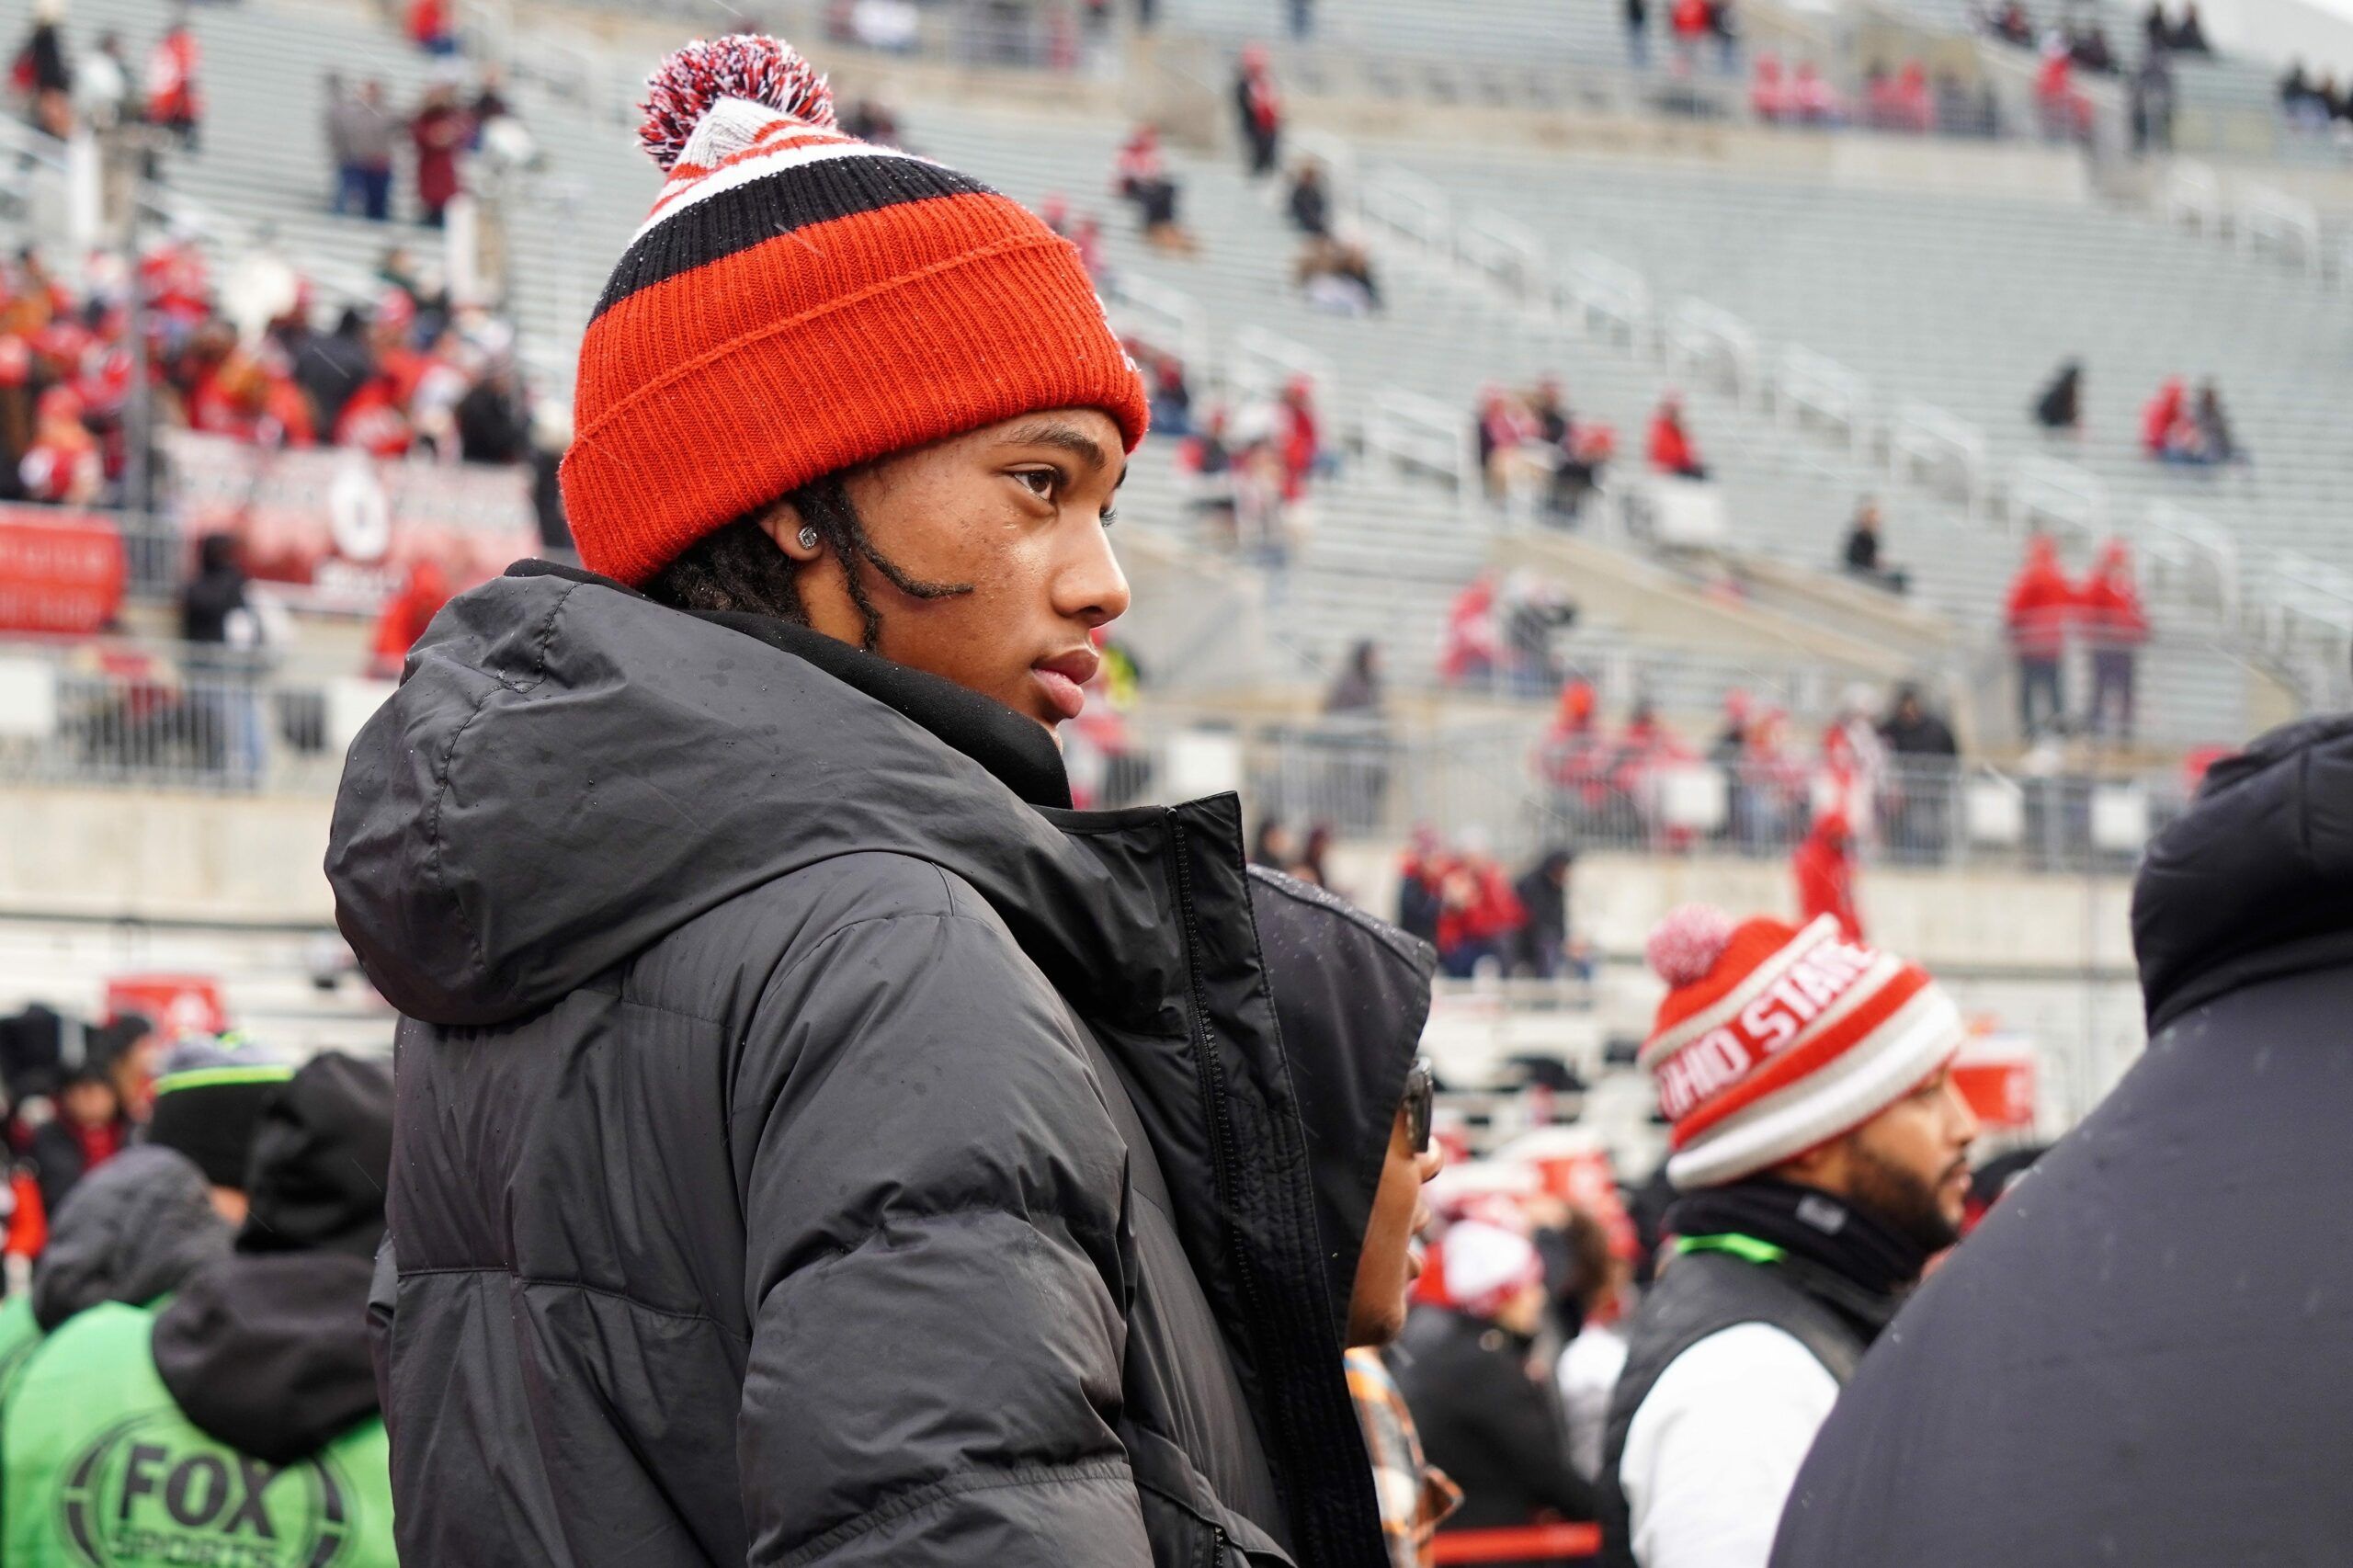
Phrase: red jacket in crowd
x=172 y=97
x=2110 y=603
x=1826 y=876
x=2042 y=604
x=2162 y=413
x=407 y=615
x=1477 y=906
x=1670 y=448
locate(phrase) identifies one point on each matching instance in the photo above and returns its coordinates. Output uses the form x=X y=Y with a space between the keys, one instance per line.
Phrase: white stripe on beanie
x=1870 y=1075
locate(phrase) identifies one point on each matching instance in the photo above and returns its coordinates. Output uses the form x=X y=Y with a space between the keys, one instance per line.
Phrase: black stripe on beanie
x=758 y=210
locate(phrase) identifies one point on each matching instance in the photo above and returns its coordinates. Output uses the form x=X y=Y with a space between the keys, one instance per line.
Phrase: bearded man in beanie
x=1820 y=1148
x=817 y=1143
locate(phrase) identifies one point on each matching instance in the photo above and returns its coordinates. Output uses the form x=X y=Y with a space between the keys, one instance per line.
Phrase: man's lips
x=1063 y=676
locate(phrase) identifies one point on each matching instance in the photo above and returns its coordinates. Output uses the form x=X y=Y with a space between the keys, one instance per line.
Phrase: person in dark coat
x=817 y=1143
x=2060 y=404
x=1544 y=890
x=330 y=367
x=1918 y=798
x=89 y=1129
x=2140 y=1356
x=1492 y=1426
x=1258 y=112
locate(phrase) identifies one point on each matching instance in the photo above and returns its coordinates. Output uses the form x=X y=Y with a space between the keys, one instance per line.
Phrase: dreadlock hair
x=737 y=567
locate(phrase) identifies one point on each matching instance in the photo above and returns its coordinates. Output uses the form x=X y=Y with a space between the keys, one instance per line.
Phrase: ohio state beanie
x=798 y=301
x=1773 y=1039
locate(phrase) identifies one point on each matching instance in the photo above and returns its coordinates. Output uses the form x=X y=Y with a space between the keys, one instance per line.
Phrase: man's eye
x=1109 y=515
x=1042 y=482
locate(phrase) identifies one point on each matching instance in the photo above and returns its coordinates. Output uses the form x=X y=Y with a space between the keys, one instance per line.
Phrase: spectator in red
x=1814 y=101
x=1899 y=101
x=440 y=131
x=407 y=615
x=1690 y=20
x=2163 y=417
x=1141 y=176
x=1259 y=110
x=174 y=101
x=429 y=28
x=1826 y=875
x=1478 y=911
x=1572 y=758
x=61 y=466
x=89 y=1129
x=2114 y=627
x=1473 y=634
x=245 y=397
x=1771 y=95
x=2066 y=112
x=1671 y=449
x=1300 y=436
x=178 y=287
x=2042 y=605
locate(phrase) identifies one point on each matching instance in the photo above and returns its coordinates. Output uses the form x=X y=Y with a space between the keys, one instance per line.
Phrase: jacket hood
x=2257 y=880
x=569 y=771
x=1352 y=995
x=320 y=1158
x=269 y=1355
x=131 y=1231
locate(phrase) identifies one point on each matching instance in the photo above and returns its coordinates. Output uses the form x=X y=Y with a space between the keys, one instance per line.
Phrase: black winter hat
x=320 y=1159
x=209 y=1096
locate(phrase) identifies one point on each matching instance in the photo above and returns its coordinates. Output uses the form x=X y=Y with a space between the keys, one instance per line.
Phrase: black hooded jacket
x=266 y=1349
x=817 y=1144
x=2142 y=1356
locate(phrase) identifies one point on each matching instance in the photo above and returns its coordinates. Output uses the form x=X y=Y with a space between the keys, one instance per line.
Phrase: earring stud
x=808 y=536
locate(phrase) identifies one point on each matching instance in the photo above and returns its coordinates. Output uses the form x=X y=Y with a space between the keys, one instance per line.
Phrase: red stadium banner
x=339 y=529
x=59 y=571
x=175 y=1003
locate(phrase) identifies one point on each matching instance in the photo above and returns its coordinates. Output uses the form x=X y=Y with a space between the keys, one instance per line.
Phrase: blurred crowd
x=246 y=357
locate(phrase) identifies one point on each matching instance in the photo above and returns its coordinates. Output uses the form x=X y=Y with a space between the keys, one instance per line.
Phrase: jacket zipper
x=1212 y=1075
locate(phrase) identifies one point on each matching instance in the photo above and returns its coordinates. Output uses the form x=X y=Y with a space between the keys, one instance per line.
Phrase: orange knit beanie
x=800 y=301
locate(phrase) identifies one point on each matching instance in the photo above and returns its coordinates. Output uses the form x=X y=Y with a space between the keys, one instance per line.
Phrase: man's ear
x=1824 y=1165
x=783 y=523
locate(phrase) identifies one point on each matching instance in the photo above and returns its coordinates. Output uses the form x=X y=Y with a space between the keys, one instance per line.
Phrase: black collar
x=1016 y=750
x=1812 y=1227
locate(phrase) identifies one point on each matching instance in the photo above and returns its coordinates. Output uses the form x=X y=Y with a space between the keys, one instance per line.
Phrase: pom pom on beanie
x=1686 y=944
x=765 y=71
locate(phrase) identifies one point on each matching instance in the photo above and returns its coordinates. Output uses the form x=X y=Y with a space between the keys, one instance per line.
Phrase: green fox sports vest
x=99 y=1468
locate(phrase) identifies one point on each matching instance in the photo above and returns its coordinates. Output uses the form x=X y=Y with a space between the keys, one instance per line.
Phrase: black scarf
x=1869 y=1264
x=1018 y=751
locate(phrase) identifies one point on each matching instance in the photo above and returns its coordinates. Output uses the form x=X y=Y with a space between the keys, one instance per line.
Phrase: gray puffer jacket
x=131 y=1230
x=817 y=1144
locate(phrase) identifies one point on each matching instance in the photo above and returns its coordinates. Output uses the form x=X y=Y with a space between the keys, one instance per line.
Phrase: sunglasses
x=1421 y=1096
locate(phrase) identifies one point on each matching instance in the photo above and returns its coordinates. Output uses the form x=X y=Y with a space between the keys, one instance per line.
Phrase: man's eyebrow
x=1068 y=438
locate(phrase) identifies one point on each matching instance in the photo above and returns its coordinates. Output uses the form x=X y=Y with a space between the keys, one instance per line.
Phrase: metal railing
x=197 y=717
x=1527 y=791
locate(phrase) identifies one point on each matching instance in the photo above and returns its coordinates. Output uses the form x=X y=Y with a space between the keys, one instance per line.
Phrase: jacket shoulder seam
x=907 y=1504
